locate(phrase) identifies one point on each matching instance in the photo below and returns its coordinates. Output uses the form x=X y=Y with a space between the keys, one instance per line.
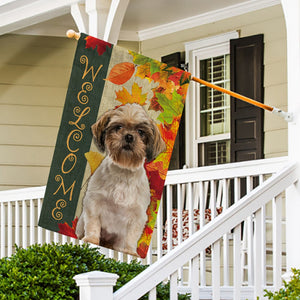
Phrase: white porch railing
x=187 y=191
x=253 y=206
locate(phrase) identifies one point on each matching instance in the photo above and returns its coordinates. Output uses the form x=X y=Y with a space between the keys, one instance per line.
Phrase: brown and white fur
x=118 y=193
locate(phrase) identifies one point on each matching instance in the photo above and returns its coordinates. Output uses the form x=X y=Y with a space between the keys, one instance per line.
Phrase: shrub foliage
x=47 y=271
x=290 y=291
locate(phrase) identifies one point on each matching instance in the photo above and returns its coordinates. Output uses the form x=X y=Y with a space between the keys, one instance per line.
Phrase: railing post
x=96 y=285
x=291 y=10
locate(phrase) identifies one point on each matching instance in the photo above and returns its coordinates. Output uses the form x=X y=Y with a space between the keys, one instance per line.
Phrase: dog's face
x=128 y=135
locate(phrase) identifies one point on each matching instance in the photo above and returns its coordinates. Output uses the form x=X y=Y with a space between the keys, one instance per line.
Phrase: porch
x=234 y=255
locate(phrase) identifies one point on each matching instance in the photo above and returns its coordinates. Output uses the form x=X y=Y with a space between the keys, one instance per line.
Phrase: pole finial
x=73 y=34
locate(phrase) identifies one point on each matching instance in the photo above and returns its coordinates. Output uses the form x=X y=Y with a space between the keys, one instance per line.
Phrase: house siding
x=34 y=76
x=271 y=23
x=35 y=72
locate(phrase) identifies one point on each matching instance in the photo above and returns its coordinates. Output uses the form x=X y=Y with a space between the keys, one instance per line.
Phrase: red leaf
x=176 y=77
x=64 y=228
x=142 y=250
x=92 y=42
x=121 y=73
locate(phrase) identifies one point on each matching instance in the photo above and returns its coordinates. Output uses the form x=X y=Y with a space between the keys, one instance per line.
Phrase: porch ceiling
x=143 y=19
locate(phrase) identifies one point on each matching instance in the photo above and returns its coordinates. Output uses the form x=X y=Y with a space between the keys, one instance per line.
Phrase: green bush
x=46 y=272
x=290 y=291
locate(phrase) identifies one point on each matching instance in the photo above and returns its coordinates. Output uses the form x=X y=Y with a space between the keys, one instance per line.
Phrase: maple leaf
x=154 y=105
x=121 y=73
x=94 y=43
x=66 y=229
x=143 y=71
x=185 y=78
x=136 y=95
x=176 y=76
x=172 y=108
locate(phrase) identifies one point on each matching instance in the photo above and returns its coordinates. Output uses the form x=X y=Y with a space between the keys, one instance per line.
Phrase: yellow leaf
x=94 y=159
x=136 y=95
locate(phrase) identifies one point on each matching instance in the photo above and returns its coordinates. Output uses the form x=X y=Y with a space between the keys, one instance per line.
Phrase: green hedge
x=290 y=291
x=47 y=271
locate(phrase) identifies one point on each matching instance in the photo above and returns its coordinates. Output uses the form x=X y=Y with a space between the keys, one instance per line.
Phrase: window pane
x=214 y=153
x=214 y=105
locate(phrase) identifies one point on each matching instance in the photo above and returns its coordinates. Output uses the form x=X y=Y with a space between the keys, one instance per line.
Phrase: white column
x=292 y=17
x=98 y=11
x=96 y=285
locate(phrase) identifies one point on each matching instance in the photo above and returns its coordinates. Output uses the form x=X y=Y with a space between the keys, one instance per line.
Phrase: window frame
x=196 y=51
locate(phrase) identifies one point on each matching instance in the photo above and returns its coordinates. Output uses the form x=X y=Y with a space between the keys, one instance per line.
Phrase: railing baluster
x=179 y=228
x=121 y=256
x=9 y=229
x=277 y=240
x=215 y=261
x=2 y=231
x=152 y=294
x=17 y=223
x=24 y=224
x=149 y=254
x=48 y=239
x=202 y=222
x=173 y=286
x=169 y=217
x=263 y=246
x=190 y=208
x=194 y=281
x=32 y=222
x=258 y=255
x=212 y=200
x=237 y=189
x=225 y=205
x=159 y=231
x=250 y=249
x=237 y=267
x=40 y=230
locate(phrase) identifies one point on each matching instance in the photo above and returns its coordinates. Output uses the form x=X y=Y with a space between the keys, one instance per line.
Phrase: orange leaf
x=136 y=95
x=121 y=73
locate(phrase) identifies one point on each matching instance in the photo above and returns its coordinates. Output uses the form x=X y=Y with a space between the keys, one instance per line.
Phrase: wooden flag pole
x=287 y=116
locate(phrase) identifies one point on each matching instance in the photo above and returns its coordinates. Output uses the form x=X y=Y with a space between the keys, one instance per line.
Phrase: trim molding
x=206 y=18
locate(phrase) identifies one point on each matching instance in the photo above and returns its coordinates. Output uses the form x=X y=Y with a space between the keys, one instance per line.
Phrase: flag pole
x=286 y=115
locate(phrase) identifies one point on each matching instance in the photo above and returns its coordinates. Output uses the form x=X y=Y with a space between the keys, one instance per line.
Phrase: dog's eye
x=141 y=132
x=118 y=127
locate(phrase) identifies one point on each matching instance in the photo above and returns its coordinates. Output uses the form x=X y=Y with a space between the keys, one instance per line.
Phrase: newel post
x=291 y=10
x=96 y=285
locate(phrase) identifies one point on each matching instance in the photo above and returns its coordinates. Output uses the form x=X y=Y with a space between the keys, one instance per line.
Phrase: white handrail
x=232 y=170
x=210 y=233
x=23 y=194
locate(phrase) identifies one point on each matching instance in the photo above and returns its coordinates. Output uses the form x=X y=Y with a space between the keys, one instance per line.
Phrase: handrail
x=241 y=169
x=199 y=241
x=230 y=170
x=23 y=194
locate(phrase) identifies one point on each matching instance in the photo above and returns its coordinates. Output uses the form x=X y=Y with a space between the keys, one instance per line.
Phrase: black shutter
x=178 y=156
x=246 y=78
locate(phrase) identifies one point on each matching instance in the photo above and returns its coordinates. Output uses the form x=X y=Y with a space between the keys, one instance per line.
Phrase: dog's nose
x=129 y=138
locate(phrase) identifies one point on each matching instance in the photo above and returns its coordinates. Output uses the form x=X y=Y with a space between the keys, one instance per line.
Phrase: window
x=214 y=112
x=208 y=110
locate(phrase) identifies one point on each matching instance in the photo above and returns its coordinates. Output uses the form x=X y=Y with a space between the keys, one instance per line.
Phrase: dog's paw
x=91 y=239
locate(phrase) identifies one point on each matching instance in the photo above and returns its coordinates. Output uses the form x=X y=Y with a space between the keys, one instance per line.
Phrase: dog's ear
x=99 y=130
x=156 y=144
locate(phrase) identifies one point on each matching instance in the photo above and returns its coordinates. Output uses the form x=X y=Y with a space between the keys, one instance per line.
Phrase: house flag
x=114 y=145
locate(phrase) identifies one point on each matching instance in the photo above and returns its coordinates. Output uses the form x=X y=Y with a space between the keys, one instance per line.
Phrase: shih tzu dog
x=118 y=193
